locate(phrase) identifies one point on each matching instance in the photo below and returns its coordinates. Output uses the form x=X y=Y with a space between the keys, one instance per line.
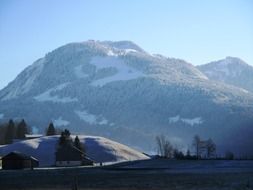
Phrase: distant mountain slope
x=231 y=70
x=118 y=90
x=98 y=149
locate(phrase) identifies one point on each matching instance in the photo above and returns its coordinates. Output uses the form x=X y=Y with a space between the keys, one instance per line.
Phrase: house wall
x=16 y=164
x=68 y=163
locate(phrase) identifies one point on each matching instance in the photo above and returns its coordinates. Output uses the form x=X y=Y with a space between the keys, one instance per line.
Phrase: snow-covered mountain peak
x=231 y=61
x=117 y=90
x=230 y=70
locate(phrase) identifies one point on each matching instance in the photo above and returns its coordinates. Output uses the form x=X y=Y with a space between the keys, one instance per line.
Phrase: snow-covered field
x=97 y=148
x=188 y=166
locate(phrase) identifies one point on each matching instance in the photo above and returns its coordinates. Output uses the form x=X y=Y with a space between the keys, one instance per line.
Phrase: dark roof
x=68 y=153
x=15 y=155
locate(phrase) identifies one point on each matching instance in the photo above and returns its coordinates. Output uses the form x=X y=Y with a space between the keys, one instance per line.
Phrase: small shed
x=33 y=136
x=16 y=160
x=69 y=155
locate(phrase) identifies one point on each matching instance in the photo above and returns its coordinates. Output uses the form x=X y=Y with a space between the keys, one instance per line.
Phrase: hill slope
x=98 y=149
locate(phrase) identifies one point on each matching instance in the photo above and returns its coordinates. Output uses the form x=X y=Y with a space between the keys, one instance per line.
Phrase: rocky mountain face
x=231 y=71
x=117 y=90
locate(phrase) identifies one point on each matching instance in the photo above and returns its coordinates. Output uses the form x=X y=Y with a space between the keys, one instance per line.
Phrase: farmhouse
x=16 y=160
x=69 y=155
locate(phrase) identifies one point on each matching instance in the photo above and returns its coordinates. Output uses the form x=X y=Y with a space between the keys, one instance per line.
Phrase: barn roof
x=15 y=155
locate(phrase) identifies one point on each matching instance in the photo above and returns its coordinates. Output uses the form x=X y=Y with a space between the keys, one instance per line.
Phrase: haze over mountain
x=118 y=90
x=231 y=70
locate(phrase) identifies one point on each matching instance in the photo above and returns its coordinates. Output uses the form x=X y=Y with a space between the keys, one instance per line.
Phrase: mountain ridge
x=128 y=95
x=231 y=70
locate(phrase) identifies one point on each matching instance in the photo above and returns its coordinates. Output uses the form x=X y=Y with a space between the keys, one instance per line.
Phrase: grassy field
x=122 y=178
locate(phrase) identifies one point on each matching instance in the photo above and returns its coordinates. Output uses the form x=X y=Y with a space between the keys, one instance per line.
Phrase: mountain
x=231 y=71
x=120 y=91
x=98 y=149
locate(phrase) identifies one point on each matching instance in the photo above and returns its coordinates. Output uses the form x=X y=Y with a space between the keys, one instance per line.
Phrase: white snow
x=130 y=51
x=103 y=122
x=174 y=119
x=92 y=119
x=1 y=115
x=111 y=53
x=124 y=72
x=97 y=148
x=193 y=121
x=189 y=121
x=47 y=96
x=79 y=72
x=60 y=122
x=85 y=116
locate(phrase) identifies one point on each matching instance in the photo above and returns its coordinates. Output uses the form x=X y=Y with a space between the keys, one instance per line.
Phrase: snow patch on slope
x=47 y=96
x=85 y=116
x=189 y=121
x=130 y=51
x=193 y=121
x=60 y=122
x=92 y=119
x=1 y=115
x=124 y=72
x=79 y=72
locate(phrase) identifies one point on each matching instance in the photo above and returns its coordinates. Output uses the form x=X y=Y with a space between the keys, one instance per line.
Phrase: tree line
x=13 y=130
x=19 y=129
x=202 y=149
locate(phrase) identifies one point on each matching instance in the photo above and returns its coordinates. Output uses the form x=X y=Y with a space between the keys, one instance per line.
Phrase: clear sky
x=198 y=31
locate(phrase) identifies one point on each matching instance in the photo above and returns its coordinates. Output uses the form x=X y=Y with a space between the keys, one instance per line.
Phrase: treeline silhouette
x=201 y=150
x=19 y=129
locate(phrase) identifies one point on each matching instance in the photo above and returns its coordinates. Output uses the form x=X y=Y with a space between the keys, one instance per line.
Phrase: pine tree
x=10 y=132
x=78 y=144
x=65 y=138
x=50 y=130
x=62 y=139
x=22 y=130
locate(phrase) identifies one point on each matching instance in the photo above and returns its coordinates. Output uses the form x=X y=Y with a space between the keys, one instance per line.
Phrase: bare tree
x=196 y=144
x=211 y=148
x=164 y=147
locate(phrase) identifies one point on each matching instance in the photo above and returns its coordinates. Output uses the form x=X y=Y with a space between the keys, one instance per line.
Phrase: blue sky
x=197 y=31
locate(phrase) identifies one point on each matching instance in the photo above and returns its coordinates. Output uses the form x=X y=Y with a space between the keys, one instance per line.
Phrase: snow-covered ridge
x=47 y=96
x=188 y=121
x=24 y=82
x=232 y=71
x=122 y=45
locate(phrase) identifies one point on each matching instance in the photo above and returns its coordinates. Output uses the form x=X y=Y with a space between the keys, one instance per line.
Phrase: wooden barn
x=16 y=160
x=69 y=155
